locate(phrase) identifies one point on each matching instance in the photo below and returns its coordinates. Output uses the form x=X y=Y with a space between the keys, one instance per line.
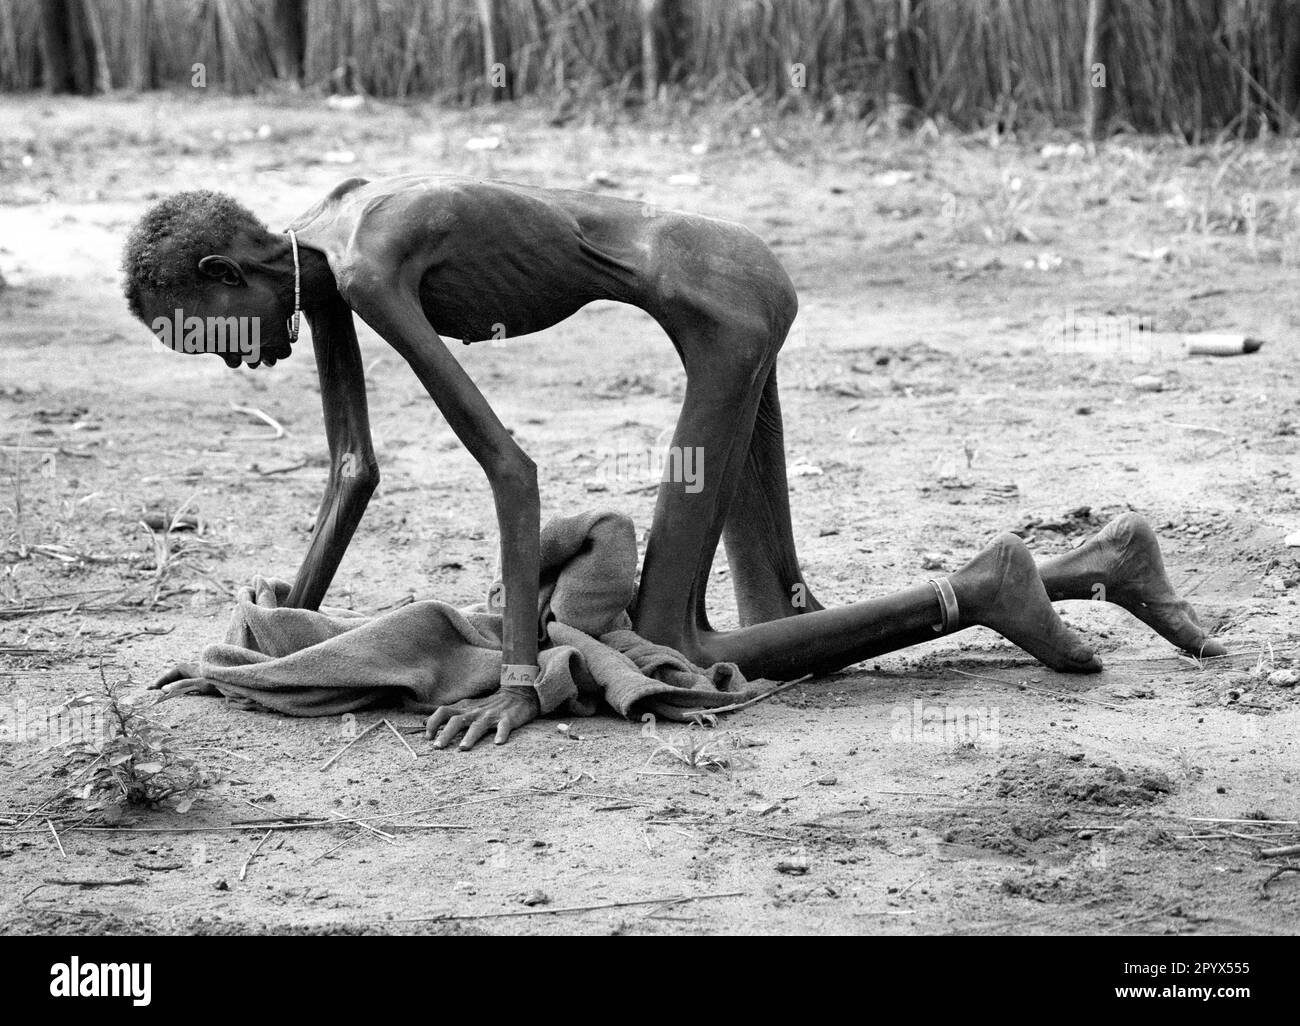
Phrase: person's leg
x=999 y=588
x=1122 y=564
x=725 y=369
x=758 y=534
x=727 y=320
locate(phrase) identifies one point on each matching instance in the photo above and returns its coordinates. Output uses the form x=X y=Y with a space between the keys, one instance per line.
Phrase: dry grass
x=1171 y=66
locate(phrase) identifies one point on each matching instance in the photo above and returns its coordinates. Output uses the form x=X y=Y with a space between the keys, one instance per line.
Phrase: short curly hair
x=163 y=251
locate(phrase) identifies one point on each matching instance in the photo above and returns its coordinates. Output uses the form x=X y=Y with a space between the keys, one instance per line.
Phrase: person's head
x=207 y=276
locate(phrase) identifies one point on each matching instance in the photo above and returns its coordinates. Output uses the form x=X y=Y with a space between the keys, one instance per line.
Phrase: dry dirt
x=918 y=382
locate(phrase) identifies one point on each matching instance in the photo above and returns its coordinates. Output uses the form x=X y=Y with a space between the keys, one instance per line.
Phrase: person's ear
x=223 y=269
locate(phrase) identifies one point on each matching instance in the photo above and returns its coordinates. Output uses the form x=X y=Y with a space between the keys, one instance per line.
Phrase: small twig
x=656 y=912
x=243 y=870
x=331 y=851
x=461 y=805
x=1263 y=887
x=277 y=821
x=266 y=418
x=1171 y=910
x=50 y=800
x=398 y=734
x=676 y=900
x=594 y=794
x=56 y=838
x=1255 y=822
x=339 y=754
x=1278 y=853
x=761 y=698
x=1198 y=427
x=51 y=908
x=220 y=828
x=282 y=470
x=1067 y=696
x=759 y=833
x=366 y=826
x=61 y=882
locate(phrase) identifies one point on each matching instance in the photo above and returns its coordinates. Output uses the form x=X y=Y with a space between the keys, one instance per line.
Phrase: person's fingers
x=454 y=726
x=180 y=671
x=185 y=686
x=440 y=716
x=477 y=729
x=476 y=720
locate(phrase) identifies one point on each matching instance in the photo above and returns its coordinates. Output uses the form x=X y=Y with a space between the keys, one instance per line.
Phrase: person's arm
x=354 y=474
x=387 y=300
x=353 y=470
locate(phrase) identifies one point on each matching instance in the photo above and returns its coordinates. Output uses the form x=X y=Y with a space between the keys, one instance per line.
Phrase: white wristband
x=519 y=676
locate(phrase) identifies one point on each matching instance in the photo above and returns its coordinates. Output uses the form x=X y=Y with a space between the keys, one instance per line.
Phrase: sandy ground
x=927 y=408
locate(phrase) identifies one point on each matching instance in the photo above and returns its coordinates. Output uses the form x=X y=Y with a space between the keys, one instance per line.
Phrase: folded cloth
x=426 y=654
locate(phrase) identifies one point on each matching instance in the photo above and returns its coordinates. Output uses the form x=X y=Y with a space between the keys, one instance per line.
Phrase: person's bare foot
x=1131 y=569
x=1000 y=589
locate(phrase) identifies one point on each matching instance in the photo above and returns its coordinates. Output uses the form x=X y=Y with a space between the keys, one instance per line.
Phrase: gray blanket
x=426 y=654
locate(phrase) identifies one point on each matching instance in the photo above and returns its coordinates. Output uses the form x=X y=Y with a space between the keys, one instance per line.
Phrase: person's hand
x=181 y=679
x=504 y=711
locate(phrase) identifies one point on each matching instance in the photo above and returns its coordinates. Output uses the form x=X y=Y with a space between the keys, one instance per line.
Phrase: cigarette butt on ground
x=1205 y=344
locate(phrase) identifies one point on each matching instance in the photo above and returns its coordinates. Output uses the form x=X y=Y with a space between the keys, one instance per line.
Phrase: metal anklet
x=947 y=606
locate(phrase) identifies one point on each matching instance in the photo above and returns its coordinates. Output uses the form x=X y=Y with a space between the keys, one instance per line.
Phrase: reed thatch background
x=1186 y=66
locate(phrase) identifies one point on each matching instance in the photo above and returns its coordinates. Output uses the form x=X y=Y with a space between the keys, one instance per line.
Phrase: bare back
x=497 y=259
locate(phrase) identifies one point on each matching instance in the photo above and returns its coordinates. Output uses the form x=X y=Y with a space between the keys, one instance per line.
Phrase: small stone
x=795 y=865
x=1284 y=678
